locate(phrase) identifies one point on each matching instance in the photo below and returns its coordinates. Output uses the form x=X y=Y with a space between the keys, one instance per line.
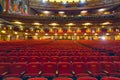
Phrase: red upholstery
x=37 y=79
x=110 y=68
x=44 y=59
x=110 y=78
x=64 y=69
x=117 y=66
x=80 y=69
x=95 y=69
x=49 y=69
x=4 y=68
x=23 y=59
x=62 y=79
x=75 y=59
x=16 y=70
x=12 y=59
x=54 y=58
x=64 y=59
x=33 y=69
x=2 y=58
x=33 y=59
x=86 y=78
x=12 y=78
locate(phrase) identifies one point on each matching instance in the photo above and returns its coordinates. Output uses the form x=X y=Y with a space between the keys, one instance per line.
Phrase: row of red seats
x=59 y=59
x=82 y=78
x=61 y=69
x=111 y=45
x=54 y=53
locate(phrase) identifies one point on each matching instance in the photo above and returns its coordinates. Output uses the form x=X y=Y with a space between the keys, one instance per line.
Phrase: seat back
x=79 y=67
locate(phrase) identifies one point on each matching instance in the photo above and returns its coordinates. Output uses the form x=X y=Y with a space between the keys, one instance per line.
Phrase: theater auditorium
x=59 y=39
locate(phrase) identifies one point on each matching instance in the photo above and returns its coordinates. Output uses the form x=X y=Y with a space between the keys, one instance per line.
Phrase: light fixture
x=61 y=12
x=37 y=24
x=65 y=34
x=83 y=12
x=70 y=24
x=18 y=22
x=36 y=34
x=15 y=32
x=3 y=31
x=107 y=34
x=86 y=24
x=55 y=34
x=46 y=12
x=46 y=34
x=54 y=24
x=106 y=23
x=101 y=10
x=103 y=38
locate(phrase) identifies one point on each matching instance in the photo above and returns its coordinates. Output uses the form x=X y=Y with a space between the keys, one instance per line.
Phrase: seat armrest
x=40 y=72
x=73 y=72
x=105 y=71
x=4 y=73
x=57 y=72
x=22 y=73
x=89 y=72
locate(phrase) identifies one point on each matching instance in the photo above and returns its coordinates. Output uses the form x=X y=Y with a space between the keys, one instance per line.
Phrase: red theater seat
x=62 y=79
x=33 y=69
x=33 y=59
x=44 y=59
x=12 y=59
x=64 y=69
x=117 y=66
x=94 y=69
x=75 y=58
x=37 y=79
x=49 y=69
x=23 y=59
x=109 y=68
x=87 y=78
x=16 y=70
x=12 y=78
x=65 y=59
x=54 y=58
x=79 y=69
x=4 y=68
x=110 y=78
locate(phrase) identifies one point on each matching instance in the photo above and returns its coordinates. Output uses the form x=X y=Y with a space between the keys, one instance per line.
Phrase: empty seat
x=87 y=78
x=49 y=69
x=37 y=79
x=44 y=59
x=12 y=59
x=4 y=68
x=16 y=70
x=54 y=58
x=79 y=69
x=110 y=78
x=94 y=69
x=75 y=59
x=64 y=69
x=65 y=59
x=3 y=58
x=33 y=59
x=12 y=78
x=117 y=66
x=109 y=68
x=62 y=79
x=23 y=59
x=33 y=69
